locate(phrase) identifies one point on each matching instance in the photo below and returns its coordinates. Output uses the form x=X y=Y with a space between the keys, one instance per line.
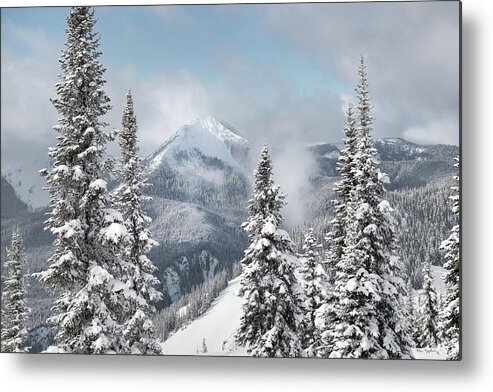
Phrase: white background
x=473 y=373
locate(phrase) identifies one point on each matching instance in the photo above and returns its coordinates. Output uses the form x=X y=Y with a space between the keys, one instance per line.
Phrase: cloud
x=162 y=104
x=412 y=52
x=171 y=14
x=293 y=166
x=27 y=84
x=266 y=106
x=433 y=132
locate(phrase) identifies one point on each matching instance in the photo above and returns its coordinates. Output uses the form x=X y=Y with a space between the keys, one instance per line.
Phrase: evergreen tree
x=313 y=278
x=14 y=308
x=377 y=235
x=325 y=315
x=409 y=300
x=367 y=316
x=345 y=166
x=84 y=268
x=204 y=346
x=353 y=327
x=137 y=312
x=272 y=316
x=410 y=309
x=427 y=314
x=450 y=317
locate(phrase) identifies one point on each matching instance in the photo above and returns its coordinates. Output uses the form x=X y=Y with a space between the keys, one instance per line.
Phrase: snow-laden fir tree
x=450 y=316
x=410 y=308
x=368 y=316
x=352 y=328
x=14 y=306
x=427 y=333
x=85 y=266
x=336 y=238
x=409 y=300
x=137 y=311
x=377 y=234
x=272 y=313
x=345 y=166
x=314 y=283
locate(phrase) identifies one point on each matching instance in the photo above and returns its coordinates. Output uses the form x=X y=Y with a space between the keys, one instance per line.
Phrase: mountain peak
x=209 y=121
x=206 y=135
x=216 y=127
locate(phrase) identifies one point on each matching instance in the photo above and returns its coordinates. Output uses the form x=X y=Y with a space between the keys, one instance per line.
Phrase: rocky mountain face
x=201 y=183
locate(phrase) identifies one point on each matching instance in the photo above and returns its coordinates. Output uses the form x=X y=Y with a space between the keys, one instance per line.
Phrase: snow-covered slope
x=27 y=182
x=208 y=136
x=439 y=353
x=216 y=328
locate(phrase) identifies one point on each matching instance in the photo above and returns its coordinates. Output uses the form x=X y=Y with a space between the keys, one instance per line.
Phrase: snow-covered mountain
x=401 y=152
x=202 y=163
x=200 y=188
x=11 y=203
x=206 y=136
x=398 y=149
x=28 y=184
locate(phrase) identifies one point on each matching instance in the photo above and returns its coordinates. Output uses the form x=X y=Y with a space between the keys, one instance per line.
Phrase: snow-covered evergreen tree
x=409 y=300
x=314 y=282
x=85 y=266
x=410 y=309
x=204 y=346
x=272 y=314
x=345 y=166
x=427 y=334
x=377 y=235
x=325 y=315
x=352 y=329
x=367 y=316
x=14 y=306
x=450 y=317
x=137 y=312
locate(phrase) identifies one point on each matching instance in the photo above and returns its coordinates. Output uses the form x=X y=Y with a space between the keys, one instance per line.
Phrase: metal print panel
x=266 y=180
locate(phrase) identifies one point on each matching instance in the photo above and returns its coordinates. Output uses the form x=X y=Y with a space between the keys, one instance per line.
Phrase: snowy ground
x=217 y=326
x=437 y=273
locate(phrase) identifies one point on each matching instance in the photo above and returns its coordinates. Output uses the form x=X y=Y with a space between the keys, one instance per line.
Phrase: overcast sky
x=277 y=73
